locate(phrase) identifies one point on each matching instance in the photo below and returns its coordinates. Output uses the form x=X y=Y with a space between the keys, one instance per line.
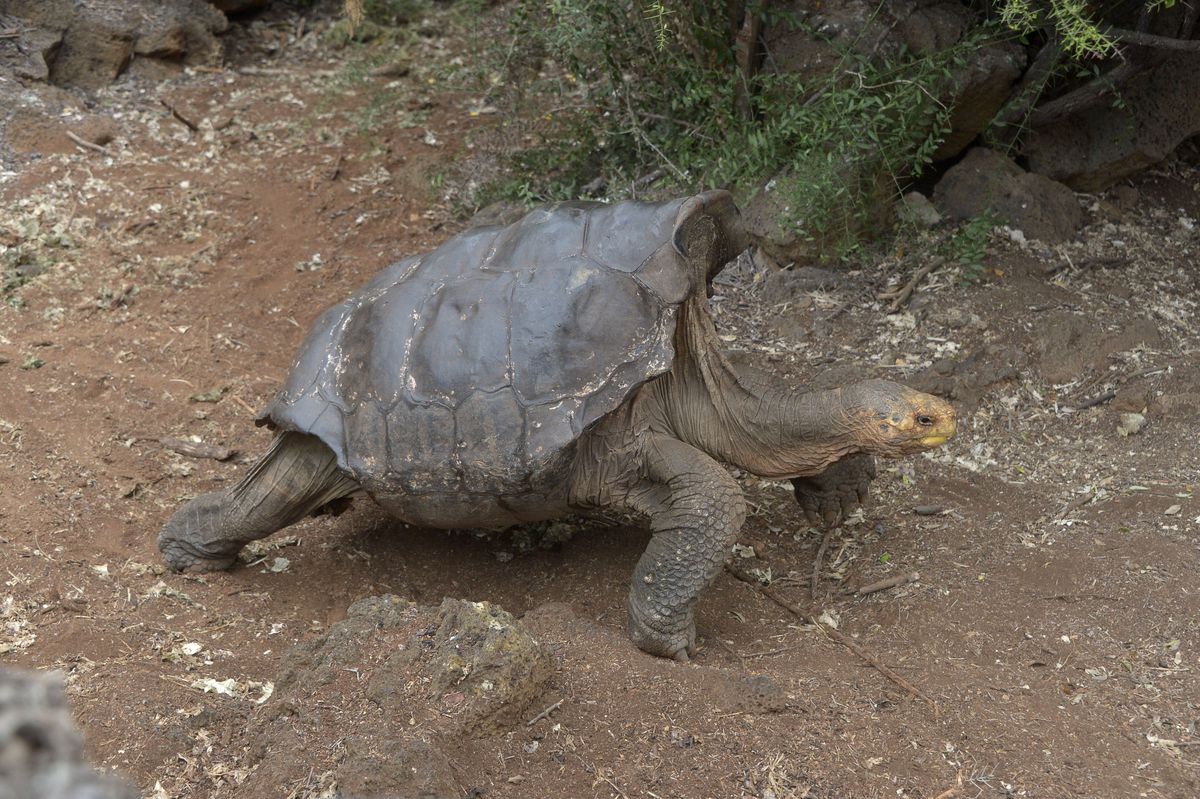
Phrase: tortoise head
x=893 y=420
x=708 y=234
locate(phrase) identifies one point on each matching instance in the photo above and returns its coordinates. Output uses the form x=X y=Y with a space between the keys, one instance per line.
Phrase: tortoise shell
x=474 y=367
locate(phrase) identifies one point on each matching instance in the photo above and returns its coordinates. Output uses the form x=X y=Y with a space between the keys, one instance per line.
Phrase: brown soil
x=1055 y=624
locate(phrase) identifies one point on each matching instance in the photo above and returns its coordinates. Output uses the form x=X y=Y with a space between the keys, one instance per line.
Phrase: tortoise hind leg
x=296 y=476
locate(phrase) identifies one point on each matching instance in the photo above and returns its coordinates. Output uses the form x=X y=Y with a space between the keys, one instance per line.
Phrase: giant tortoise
x=565 y=363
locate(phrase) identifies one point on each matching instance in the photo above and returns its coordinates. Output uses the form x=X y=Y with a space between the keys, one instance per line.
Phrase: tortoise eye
x=925 y=421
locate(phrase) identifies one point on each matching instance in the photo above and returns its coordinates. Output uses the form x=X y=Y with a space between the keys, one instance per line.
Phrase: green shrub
x=625 y=91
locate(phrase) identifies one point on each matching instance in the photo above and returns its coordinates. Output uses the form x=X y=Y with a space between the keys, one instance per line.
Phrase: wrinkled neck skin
x=753 y=422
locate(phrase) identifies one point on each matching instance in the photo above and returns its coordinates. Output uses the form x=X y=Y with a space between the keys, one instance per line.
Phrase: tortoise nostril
x=925 y=421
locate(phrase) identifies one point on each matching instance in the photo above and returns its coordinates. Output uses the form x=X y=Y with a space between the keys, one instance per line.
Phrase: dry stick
x=87 y=144
x=1027 y=91
x=890 y=582
x=192 y=126
x=1094 y=401
x=901 y=296
x=1086 y=95
x=193 y=449
x=815 y=578
x=770 y=652
x=613 y=785
x=836 y=636
x=1076 y=504
x=1150 y=40
x=747 y=52
x=544 y=713
x=1120 y=381
x=275 y=71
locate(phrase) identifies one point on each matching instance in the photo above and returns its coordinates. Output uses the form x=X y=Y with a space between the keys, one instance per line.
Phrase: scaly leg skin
x=296 y=476
x=829 y=497
x=696 y=510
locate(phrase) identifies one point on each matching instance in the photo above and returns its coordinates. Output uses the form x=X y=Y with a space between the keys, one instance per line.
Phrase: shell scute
x=460 y=343
x=572 y=325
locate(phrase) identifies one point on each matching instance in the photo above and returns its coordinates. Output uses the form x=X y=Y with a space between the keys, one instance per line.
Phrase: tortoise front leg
x=296 y=476
x=696 y=510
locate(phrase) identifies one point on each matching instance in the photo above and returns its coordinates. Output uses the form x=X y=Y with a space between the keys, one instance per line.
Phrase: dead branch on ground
x=811 y=617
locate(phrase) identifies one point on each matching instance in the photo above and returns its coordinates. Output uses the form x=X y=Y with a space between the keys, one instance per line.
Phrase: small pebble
x=1130 y=424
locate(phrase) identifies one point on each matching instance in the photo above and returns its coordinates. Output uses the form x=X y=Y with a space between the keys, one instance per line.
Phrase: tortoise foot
x=668 y=638
x=191 y=541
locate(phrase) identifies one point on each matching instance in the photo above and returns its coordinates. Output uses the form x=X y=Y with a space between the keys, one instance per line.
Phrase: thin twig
x=811 y=618
x=1010 y=122
x=1119 y=381
x=193 y=449
x=1076 y=504
x=276 y=71
x=637 y=128
x=890 y=582
x=1150 y=40
x=901 y=295
x=862 y=84
x=649 y=177
x=544 y=713
x=880 y=667
x=1094 y=401
x=613 y=785
x=87 y=144
x=770 y=652
x=192 y=126
x=815 y=578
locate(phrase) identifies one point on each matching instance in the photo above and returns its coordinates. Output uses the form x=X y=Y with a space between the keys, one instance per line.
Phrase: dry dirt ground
x=1055 y=625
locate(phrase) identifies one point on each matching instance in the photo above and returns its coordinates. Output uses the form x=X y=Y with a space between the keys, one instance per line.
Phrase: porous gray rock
x=970 y=378
x=979 y=91
x=475 y=649
x=916 y=209
x=41 y=752
x=473 y=657
x=317 y=661
x=985 y=180
x=382 y=766
x=90 y=45
x=1098 y=146
x=789 y=285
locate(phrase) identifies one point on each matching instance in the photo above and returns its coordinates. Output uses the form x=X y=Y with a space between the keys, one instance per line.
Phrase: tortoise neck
x=752 y=421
